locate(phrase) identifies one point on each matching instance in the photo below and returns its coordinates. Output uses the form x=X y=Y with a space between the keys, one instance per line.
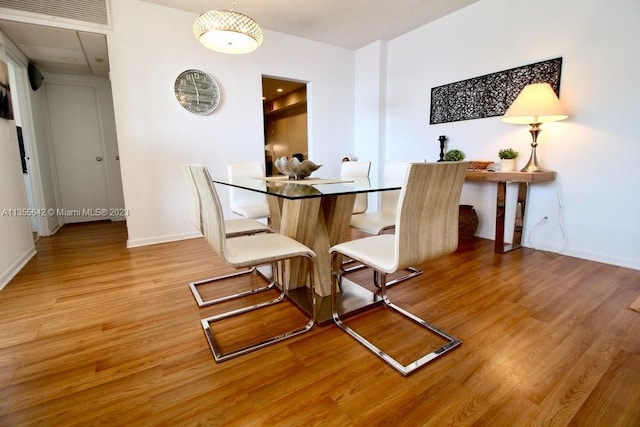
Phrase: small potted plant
x=507 y=159
x=454 y=156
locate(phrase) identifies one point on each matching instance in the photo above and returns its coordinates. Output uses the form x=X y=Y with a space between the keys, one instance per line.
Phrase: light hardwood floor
x=94 y=333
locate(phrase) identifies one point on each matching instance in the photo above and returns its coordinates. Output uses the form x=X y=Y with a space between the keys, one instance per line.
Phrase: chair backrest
x=194 y=198
x=358 y=172
x=240 y=199
x=211 y=210
x=427 y=216
x=394 y=170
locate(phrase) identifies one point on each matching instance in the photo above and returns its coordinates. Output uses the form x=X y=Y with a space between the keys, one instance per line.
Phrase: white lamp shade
x=227 y=31
x=536 y=103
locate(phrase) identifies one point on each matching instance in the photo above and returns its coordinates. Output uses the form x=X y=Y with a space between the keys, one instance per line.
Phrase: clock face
x=197 y=92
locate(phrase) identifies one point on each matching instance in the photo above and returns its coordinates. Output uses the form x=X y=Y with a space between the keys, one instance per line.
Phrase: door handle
x=98 y=158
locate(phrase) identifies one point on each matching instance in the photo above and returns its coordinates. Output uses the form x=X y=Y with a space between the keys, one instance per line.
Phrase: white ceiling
x=351 y=24
x=348 y=23
x=60 y=50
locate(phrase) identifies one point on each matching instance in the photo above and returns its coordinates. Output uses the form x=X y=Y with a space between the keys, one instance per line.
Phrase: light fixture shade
x=227 y=31
x=536 y=103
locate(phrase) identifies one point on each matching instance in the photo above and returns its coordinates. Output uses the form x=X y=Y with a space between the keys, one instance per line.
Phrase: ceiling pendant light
x=227 y=31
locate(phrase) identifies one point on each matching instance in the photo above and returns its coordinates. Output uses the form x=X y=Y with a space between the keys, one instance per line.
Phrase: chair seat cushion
x=252 y=210
x=375 y=251
x=262 y=249
x=373 y=222
x=239 y=227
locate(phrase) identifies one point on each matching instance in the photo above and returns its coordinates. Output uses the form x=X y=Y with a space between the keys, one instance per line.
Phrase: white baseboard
x=55 y=227
x=15 y=268
x=134 y=243
x=631 y=263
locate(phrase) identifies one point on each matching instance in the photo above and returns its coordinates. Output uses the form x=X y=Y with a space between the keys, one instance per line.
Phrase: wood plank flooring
x=92 y=333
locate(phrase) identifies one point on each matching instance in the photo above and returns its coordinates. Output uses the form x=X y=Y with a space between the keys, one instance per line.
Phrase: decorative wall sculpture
x=489 y=95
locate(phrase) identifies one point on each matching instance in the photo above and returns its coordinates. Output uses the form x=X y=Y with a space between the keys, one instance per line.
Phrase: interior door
x=77 y=141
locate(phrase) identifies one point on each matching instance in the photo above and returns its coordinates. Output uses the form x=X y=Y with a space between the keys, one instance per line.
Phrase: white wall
x=156 y=135
x=370 y=113
x=595 y=151
x=16 y=246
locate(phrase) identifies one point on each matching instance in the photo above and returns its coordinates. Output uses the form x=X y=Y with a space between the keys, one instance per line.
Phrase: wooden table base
x=318 y=223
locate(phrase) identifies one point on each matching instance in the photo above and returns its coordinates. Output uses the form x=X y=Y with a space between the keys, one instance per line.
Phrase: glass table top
x=281 y=186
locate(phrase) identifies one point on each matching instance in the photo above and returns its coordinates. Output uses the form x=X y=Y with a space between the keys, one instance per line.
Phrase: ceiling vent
x=86 y=11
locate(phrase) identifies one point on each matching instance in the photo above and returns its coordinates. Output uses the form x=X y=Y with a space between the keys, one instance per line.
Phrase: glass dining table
x=316 y=212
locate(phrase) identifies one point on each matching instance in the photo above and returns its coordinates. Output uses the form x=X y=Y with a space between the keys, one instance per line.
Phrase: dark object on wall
x=35 y=76
x=6 y=106
x=467 y=222
x=442 y=139
x=23 y=153
x=489 y=95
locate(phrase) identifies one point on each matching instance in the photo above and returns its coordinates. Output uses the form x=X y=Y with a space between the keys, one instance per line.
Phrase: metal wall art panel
x=489 y=95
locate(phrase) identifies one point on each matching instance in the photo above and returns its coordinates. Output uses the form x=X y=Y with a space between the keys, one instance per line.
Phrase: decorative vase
x=467 y=222
x=294 y=168
x=508 y=164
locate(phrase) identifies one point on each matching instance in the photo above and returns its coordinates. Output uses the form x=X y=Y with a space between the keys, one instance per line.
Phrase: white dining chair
x=233 y=228
x=358 y=172
x=247 y=251
x=384 y=219
x=247 y=204
x=377 y=222
x=428 y=187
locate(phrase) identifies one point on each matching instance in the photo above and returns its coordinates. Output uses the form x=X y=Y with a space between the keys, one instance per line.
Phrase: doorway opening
x=285 y=120
x=73 y=132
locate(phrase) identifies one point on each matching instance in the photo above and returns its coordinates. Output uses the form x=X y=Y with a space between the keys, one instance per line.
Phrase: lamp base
x=532 y=168
x=532 y=164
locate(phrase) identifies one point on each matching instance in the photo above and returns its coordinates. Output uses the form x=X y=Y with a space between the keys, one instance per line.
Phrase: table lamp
x=537 y=103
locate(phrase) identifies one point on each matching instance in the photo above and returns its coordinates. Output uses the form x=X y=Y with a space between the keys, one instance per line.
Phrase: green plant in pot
x=454 y=156
x=507 y=159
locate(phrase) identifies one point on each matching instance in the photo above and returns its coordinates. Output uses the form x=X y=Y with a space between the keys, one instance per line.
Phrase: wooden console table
x=502 y=178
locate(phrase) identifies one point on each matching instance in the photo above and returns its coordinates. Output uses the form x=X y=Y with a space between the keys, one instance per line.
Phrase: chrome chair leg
x=346 y=268
x=220 y=356
x=451 y=341
x=413 y=272
x=349 y=266
x=204 y=303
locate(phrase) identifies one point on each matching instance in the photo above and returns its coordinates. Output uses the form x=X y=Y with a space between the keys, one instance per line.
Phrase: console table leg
x=500 y=212
x=523 y=179
x=521 y=206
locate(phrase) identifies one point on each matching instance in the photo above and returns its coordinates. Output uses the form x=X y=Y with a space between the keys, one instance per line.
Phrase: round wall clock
x=197 y=92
